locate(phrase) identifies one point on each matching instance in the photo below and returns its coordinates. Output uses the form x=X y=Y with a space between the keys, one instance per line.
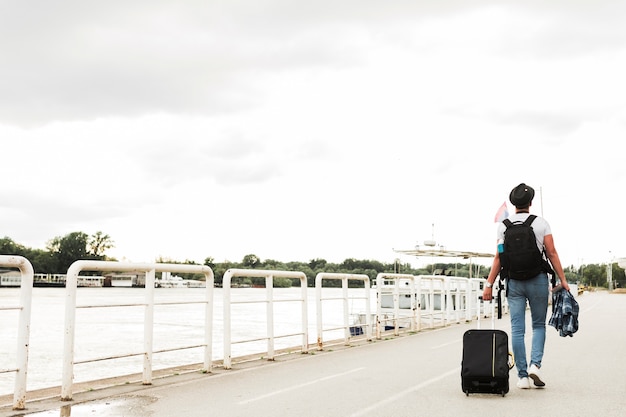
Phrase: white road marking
x=294 y=387
x=456 y=342
x=401 y=394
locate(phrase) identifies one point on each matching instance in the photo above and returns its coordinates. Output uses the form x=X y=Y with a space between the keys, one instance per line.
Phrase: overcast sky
x=295 y=130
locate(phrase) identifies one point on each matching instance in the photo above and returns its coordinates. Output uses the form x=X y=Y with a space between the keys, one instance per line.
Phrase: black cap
x=522 y=195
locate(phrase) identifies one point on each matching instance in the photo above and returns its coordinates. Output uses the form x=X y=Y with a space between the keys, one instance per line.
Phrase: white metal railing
x=475 y=288
x=457 y=296
x=345 y=298
x=399 y=294
x=433 y=287
x=150 y=269
x=269 y=301
x=428 y=298
x=23 y=332
x=406 y=301
x=438 y=299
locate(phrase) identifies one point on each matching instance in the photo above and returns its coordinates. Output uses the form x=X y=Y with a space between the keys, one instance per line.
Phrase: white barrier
x=319 y=278
x=23 y=330
x=269 y=286
x=398 y=293
x=437 y=298
x=150 y=269
x=405 y=302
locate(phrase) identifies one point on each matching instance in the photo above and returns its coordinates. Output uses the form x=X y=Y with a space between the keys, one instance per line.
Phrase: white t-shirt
x=540 y=227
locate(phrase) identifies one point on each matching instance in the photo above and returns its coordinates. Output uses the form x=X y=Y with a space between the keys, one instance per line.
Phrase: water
x=101 y=332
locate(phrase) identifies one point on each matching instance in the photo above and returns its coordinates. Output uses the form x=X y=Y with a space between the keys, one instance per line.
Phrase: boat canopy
x=433 y=251
x=444 y=253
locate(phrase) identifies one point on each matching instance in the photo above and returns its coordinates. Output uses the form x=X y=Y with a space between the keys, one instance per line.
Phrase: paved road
x=416 y=375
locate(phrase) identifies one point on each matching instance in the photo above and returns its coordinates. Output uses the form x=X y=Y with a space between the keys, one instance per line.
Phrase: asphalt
x=411 y=375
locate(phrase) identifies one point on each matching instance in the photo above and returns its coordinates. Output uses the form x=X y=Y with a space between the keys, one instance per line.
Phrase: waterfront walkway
x=413 y=375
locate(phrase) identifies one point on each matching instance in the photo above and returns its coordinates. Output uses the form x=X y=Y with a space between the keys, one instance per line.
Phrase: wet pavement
x=109 y=407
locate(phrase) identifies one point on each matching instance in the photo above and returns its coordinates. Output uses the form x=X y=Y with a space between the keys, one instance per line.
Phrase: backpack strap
x=547 y=268
x=529 y=220
x=499 y=297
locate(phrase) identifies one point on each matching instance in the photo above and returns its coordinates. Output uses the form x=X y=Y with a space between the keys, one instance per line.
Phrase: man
x=534 y=290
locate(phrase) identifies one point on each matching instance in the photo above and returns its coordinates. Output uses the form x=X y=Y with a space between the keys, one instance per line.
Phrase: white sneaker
x=533 y=373
x=523 y=383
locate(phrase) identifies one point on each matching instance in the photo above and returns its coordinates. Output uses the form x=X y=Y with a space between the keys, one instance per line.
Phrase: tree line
x=62 y=251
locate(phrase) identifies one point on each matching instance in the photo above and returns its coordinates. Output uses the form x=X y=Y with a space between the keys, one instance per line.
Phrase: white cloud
x=296 y=131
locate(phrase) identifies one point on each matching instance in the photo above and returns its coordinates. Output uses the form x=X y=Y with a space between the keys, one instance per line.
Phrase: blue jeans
x=536 y=291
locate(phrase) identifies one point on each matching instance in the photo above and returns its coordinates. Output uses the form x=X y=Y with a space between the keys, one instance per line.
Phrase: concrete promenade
x=413 y=375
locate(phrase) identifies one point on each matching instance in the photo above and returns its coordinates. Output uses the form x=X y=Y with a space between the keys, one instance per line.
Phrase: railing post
x=209 y=278
x=269 y=284
x=468 y=300
x=305 y=313
x=148 y=328
x=444 y=303
x=226 y=282
x=23 y=336
x=368 y=312
x=379 y=283
x=346 y=310
x=318 y=309
x=70 y=324
x=418 y=304
x=431 y=297
x=412 y=305
x=447 y=296
x=396 y=306
x=23 y=331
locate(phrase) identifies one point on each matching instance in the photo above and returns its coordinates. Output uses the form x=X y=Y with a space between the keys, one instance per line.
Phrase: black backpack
x=521 y=258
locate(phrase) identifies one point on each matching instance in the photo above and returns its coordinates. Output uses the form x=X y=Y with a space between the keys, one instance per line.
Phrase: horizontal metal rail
x=129 y=355
x=162 y=303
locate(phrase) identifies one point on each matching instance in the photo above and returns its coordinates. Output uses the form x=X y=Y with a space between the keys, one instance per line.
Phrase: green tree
x=317 y=264
x=594 y=275
x=68 y=249
x=9 y=247
x=273 y=265
x=251 y=261
x=42 y=260
x=210 y=262
x=99 y=243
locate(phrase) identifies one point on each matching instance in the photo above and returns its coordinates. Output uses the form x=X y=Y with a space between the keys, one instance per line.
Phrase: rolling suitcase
x=485 y=364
